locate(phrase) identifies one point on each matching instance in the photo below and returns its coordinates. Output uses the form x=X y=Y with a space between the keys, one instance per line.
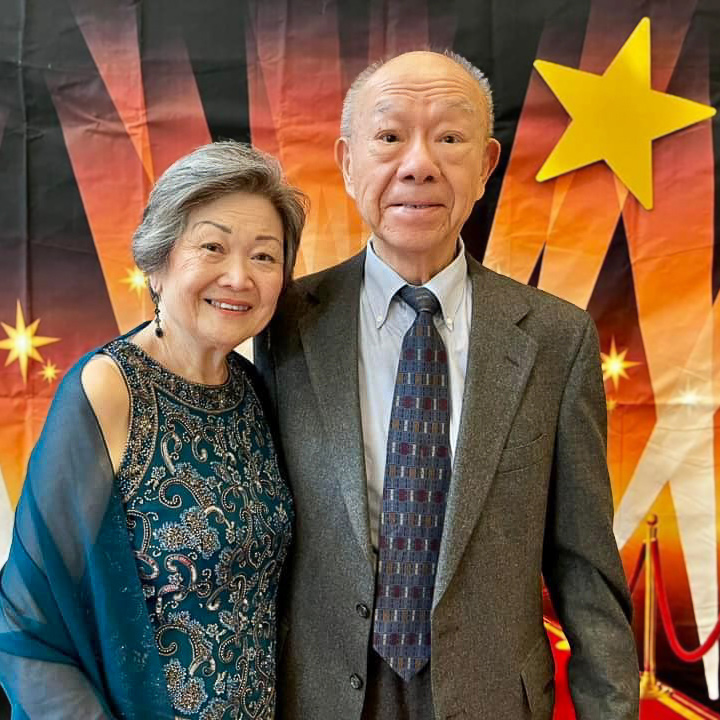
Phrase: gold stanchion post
x=649 y=686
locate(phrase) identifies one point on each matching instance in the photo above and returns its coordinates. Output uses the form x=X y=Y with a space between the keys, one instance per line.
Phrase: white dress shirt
x=384 y=320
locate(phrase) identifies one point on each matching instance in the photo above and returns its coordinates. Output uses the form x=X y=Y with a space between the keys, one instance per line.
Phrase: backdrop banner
x=605 y=195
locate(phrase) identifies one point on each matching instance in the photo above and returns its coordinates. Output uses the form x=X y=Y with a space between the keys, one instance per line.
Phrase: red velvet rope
x=687 y=656
x=638 y=569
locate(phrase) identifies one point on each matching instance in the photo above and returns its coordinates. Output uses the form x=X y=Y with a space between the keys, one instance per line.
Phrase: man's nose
x=418 y=163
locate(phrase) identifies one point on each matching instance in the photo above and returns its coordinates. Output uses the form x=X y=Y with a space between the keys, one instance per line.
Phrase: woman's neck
x=206 y=366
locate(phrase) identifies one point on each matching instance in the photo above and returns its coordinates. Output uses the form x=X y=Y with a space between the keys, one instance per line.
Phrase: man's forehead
x=424 y=75
x=388 y=103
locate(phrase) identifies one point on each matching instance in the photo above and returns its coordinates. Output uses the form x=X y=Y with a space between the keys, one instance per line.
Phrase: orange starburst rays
x=615 y=366
x=22 y=342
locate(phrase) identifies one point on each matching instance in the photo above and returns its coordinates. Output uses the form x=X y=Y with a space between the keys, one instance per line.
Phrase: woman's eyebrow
x=264 y=238
x=219 y=226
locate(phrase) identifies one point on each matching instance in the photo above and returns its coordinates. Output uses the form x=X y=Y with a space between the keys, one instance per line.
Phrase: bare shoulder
x=107 y=393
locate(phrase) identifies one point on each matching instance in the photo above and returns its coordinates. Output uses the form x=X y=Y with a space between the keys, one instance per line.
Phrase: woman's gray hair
x=348 y=107
x=206 y=174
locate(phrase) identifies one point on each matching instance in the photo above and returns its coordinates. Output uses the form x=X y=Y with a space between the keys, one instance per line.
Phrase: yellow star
x=616 y=116
x=615 y=366
x=611 y=404
x=22 y=342
x=135 y=280
x=49 y=372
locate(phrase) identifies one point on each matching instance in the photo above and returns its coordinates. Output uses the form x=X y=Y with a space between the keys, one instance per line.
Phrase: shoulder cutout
x=107 y=392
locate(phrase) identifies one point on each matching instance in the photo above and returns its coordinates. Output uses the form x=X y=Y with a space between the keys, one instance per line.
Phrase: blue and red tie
x=417 y=478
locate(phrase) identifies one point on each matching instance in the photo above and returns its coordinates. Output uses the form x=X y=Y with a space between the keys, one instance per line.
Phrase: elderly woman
x=154 y=521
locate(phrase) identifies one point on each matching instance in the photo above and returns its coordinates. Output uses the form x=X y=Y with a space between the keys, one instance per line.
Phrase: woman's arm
x=39 y=668
x=49 y=664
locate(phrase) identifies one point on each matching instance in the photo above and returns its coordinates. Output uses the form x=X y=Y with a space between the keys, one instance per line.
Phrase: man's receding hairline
x=361 y=82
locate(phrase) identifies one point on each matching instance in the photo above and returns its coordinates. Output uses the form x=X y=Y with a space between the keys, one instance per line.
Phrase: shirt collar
x=382 y=283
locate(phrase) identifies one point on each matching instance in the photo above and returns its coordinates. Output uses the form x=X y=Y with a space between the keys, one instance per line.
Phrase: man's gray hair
x=206 y=174
x=359 y=82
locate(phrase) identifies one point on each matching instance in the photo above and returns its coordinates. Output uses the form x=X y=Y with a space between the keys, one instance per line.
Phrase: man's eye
x=212 y=247
x=450 y=139
x=389 y=137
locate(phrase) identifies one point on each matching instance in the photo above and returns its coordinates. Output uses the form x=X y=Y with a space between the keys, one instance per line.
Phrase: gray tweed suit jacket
x=529 y=495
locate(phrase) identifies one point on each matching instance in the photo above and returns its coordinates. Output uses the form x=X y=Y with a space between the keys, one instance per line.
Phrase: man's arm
x=262 y=358
x=581 y=564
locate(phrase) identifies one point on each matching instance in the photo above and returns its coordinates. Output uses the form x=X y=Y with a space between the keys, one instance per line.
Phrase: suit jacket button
x=362 y=611
x=356 y=681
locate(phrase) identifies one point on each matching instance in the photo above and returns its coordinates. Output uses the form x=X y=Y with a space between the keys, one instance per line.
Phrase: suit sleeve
x=265 y=368
x=264 y=365
x=581 y=563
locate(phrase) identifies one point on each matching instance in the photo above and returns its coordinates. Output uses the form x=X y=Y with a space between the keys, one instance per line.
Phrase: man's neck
x=414 y=268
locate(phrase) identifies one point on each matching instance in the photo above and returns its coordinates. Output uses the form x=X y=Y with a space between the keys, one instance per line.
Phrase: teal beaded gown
x=210 y=522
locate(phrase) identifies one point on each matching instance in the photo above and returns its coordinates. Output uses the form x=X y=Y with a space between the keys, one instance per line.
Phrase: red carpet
x=672 y=706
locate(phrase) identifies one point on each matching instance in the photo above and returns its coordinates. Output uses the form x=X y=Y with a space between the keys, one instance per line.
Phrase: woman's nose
x=236 y=274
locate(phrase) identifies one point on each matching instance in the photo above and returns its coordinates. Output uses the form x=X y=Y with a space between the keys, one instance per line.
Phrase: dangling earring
x=156 y=301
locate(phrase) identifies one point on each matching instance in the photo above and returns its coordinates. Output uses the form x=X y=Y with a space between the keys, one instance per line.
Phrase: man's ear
x=490 y=161
x=492 y=156
x=342 y=158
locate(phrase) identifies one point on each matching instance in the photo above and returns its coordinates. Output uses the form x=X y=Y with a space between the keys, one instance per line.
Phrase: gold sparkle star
x=615 y=366
x=22 y=342
x=135 y=280
x=616 y=116
x=49 y=372
x=611 y=404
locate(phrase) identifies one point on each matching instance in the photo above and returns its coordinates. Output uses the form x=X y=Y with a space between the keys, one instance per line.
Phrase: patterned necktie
x=417 y=477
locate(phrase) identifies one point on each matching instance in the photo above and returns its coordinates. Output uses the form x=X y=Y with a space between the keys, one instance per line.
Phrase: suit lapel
x=329 y=334
x=500 y=357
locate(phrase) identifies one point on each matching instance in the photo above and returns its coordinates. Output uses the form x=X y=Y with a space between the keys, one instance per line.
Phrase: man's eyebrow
x=463 y=106
x=219 y=226
x=383 y=107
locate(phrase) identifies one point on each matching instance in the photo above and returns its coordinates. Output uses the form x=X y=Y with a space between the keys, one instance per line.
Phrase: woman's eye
x=389 y=137
x=265 y=257
x=451 y=138
x=212 y=247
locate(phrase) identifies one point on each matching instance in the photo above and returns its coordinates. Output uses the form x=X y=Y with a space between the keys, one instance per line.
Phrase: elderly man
x=444 y=435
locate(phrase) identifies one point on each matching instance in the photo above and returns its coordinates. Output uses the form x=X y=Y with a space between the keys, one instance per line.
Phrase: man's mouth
x=227 y=306
x=416 y=206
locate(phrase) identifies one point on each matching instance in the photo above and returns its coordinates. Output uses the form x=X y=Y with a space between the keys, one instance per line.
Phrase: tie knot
x=420 y=299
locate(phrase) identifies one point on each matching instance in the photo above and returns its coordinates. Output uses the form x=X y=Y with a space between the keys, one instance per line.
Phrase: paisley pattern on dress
x=210 y=522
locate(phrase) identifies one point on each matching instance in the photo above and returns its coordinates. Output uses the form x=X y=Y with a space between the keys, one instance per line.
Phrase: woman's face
x=225 y=273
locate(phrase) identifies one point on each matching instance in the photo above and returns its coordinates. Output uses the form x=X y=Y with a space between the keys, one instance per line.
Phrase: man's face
x=418 y=157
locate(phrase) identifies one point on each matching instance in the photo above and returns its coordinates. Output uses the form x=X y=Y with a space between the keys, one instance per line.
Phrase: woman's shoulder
x=107 y=393
x=70 y=443
x=92 y=396
x=103 y=383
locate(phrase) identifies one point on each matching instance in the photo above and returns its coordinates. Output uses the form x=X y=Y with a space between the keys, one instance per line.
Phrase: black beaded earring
x=156 y=301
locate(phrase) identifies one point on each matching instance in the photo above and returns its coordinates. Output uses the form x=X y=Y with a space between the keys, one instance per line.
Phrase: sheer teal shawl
x=75 y=637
